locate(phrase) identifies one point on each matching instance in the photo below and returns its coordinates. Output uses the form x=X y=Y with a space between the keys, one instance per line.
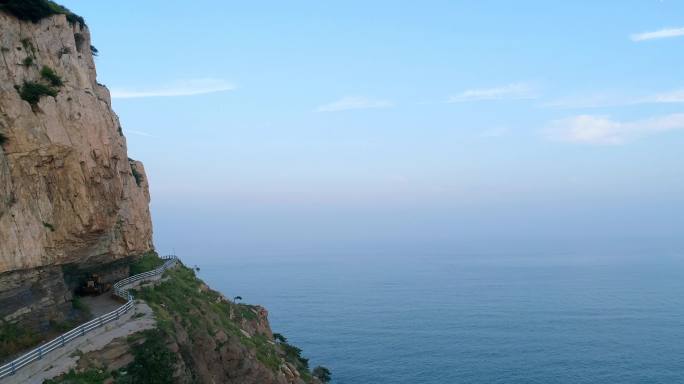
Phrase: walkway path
x=61 y=360
x=125 y=320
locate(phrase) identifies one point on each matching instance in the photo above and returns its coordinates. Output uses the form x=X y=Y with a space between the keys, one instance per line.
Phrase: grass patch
x=91 y=376
x=146 y=262
x=36 y=10
x=153 y=364
x=51 y=77
x=183 y=299
x=32 y=92
x=49 y=226
x=14 y=339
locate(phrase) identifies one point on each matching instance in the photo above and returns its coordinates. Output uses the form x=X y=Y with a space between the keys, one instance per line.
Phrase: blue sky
x=276 y=127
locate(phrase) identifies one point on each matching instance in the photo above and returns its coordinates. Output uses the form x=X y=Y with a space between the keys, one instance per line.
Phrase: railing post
x=12 y=366
x=82 y=331
x=62 y=340
x=40 y=352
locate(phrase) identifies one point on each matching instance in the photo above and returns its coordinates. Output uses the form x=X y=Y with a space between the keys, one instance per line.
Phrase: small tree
x=279 y=338
x=322 y=373
x=237 y=298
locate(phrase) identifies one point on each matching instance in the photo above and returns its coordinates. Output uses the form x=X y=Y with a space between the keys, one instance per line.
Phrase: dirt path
x=61 y=360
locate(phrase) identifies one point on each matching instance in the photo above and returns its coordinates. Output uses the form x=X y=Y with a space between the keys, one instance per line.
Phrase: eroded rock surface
x=69 y=194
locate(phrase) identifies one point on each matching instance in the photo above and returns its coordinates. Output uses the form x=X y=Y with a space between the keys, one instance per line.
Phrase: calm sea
x=475 y=318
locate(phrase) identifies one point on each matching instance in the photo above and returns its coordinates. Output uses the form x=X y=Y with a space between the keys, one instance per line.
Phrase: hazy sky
x=356 y=126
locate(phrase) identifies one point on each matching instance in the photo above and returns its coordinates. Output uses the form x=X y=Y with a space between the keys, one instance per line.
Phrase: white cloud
x=515 y=91
x=660 y=34
x=601 y=130
x=354 y=102
x=180 y=88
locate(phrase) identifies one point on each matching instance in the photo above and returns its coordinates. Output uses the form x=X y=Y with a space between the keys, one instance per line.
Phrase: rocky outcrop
x=69 y=194
x=201 y=337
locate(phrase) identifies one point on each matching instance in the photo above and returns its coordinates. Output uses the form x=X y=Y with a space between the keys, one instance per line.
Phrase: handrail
x=119 y=289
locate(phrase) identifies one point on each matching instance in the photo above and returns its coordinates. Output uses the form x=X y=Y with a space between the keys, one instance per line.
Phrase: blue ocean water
x=474 y=318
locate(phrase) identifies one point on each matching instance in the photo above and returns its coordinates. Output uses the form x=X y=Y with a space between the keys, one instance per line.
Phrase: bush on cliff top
x=36 y=10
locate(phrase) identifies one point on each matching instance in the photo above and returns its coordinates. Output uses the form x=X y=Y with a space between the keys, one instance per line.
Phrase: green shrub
x=53 y=78
x=36 y=10
x=146 y=262
x=49 y=226
x=279 y=338
x=94 y=50
x=32 y=92
x=322 y=373
x=28 y=46
x=153 y=364
x=294 y=356
x=15 y=338
x=3 y=139
x=27 y=62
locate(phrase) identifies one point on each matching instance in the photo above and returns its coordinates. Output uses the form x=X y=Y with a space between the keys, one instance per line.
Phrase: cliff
x=72 y=203
x=70 y=198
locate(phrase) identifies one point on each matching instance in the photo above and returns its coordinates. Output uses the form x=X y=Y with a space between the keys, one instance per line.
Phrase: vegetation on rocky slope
x=15 y=338
x=200 y=337
x=32 y=91
x=36 y=10
x=147 y=262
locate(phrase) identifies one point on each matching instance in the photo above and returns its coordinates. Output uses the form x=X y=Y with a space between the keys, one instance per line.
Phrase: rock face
x=69 y=194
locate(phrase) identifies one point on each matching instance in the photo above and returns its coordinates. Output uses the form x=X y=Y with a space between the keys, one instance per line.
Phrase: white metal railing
x=119 y=289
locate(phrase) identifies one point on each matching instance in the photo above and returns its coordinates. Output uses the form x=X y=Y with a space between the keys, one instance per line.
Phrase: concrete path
x=101 y=304
x=63 y=359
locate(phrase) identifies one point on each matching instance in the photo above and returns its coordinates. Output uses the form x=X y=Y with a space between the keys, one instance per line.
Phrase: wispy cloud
x=604 y=100
x=601 y=130
x=180 y=88
x=660 y=34
x=676 y=96
x=514 y=91
x=354 y=102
